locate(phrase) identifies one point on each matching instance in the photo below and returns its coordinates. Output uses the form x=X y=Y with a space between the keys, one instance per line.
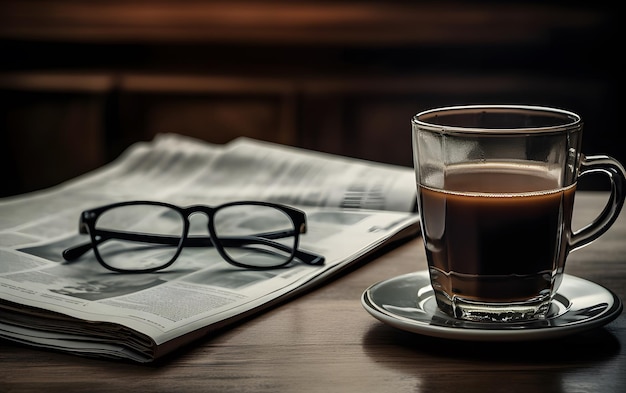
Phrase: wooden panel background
x=80 y=81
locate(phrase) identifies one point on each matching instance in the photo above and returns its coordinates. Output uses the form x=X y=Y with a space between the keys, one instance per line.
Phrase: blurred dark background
x=82 y=80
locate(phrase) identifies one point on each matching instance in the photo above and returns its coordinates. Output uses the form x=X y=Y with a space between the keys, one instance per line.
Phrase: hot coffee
x=496 y=233
x=496 y=188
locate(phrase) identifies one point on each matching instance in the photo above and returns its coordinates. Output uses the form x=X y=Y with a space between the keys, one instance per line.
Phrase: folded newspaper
x=353 y=208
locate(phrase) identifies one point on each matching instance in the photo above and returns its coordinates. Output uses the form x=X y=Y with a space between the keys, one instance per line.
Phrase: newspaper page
x=353 y=208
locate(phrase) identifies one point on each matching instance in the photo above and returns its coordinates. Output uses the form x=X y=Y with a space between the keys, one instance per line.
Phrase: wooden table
x=324 y=341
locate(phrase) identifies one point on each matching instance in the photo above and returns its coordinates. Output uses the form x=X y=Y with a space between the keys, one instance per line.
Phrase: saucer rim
x=492 y=333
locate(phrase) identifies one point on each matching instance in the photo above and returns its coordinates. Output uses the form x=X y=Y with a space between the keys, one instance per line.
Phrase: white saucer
x=407 y=302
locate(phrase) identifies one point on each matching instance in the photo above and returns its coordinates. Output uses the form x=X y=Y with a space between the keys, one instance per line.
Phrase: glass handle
x=617 y=175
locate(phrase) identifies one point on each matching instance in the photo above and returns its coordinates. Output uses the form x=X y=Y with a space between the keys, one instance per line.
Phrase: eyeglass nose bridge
x=193 y=216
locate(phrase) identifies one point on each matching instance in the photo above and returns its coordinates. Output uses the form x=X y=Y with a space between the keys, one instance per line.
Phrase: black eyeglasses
x=145 y=236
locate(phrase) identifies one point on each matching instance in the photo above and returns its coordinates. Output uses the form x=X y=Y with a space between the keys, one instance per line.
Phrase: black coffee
x=497 y=233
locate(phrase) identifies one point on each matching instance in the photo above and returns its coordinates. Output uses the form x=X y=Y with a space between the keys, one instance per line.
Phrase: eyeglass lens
x=243 y=231
x=143 y=220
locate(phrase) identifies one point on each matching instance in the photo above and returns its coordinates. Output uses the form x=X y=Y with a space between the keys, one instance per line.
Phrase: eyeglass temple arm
x=76 y=252
x=305 y=256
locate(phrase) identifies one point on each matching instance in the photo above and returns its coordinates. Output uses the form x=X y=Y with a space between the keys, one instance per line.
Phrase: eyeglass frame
x=88 y=219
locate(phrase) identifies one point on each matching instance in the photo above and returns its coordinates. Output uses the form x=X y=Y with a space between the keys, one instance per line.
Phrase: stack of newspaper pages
x=353 y=208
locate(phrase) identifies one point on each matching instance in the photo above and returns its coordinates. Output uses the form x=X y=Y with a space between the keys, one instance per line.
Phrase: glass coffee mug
x=496 y=188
